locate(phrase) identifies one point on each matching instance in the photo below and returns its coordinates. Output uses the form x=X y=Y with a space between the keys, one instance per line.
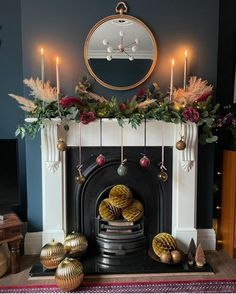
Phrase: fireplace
x=175 y=201
x=111 y=239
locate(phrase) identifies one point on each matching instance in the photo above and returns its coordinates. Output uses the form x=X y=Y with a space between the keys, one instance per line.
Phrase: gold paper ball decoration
x=52 y=254
x=163 y=242
x=69 y=274
x=177 y=256
x=108 y=211
x=165 y=257
x=75 y=244
x=120 y=196
x=133 y=212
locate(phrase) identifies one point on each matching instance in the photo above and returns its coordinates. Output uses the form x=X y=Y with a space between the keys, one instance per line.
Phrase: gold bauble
x=80 y=179
x=69 y=274
x=75 y=244
x=133 y=212
x=120 y=196
x=162 y=176
x=177 y=256
x=180 y=145
x=163 y=242
x=108 y=211
x=52 y=254
x=165 y=257
x=61 y=145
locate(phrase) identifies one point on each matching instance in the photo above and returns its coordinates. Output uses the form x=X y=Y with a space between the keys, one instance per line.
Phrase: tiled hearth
x=184 y=176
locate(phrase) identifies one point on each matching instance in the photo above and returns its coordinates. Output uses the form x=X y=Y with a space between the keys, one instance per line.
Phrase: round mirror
x=120 y=52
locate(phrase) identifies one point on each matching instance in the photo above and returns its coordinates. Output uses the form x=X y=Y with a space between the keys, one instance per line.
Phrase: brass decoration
x=69 y=274
x=108 y=211
x=120 y=196
x=133 y=212
x=163 y=242
x=75 y=244
x=61 y=145
x=177 y=256
x=180 y=145
x=132 y=30
x=165 y=257
x=52 y=254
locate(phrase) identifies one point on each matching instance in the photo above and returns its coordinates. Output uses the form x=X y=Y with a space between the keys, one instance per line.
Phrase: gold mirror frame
x=102 y=21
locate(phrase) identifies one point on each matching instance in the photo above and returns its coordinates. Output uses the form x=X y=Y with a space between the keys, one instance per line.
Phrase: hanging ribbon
x=80 y=165
x=122 y=146
x=162 y=163
x=100 y=135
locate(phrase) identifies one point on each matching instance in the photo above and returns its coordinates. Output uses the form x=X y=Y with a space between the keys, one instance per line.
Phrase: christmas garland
x=194 y=104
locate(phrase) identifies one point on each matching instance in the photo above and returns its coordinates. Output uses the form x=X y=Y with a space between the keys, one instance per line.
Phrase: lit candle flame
x=57 y=60
x=173 y=62
x=186 y=53
x=42 y=51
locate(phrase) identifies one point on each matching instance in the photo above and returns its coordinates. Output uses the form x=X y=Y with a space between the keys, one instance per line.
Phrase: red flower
x=69 y=101
x=204 y=96
x=141 y=92
x=122 y=106
x=87 y=116
x=191 y=114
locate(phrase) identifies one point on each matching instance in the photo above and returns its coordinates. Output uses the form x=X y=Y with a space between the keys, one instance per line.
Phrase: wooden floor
x=223 y=265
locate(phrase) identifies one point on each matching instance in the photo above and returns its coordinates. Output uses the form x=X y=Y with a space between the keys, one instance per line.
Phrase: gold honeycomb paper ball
x=75 y=244
x=133 y=212
x=107 y=211
x=120 y=196
x=163 y=242
x=69 y=274
x=52 y=254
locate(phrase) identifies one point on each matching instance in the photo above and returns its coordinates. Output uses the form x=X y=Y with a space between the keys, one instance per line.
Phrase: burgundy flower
x=204 y=96
x=122 y=106
x=69 y=101
x=141 y=92
x=87 y=116
x=191 y=114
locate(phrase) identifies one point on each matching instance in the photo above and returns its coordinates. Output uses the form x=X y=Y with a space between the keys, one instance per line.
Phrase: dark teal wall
x=61 y=27
x=11 y=82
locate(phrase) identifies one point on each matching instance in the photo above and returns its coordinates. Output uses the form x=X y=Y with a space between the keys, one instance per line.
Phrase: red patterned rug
x=197 y=286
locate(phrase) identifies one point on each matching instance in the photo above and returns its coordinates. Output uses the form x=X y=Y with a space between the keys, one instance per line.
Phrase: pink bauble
x=144 y=161
x=100 y=160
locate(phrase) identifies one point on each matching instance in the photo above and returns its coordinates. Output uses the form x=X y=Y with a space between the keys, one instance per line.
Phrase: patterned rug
x=197 y=286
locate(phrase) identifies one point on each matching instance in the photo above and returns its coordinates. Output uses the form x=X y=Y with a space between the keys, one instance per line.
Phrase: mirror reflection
x=120 y=52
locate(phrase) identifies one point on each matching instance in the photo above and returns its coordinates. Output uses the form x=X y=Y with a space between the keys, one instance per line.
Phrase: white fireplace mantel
x=184 y=175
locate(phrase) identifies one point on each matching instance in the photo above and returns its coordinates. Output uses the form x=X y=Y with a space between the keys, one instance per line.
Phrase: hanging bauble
x=52 y=254
x=144 y=161
x=75 y=244
x=162 y=176
x=80 y=179
x=100 y=160
x=122 y=170
x=180 y=145
x=69 y=274
x=61 y=145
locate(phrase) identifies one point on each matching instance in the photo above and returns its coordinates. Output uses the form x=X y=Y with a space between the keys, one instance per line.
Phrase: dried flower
x=87 y=117
x=41 y=91
x=68 y=101
x=25 y=104
x=191 y=114
x=122 y=106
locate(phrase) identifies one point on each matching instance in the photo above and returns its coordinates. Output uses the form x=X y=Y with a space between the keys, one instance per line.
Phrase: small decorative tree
x=191 y=252
x=200 y=258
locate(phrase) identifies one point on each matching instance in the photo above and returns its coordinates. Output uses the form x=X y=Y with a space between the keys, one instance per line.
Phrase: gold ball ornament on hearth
x=120 y=196
x=165 y=256
x=180 y=145
x=61 y=145
x=52 y=254
x=107 y=211
x=75 y=244
x=69 y=274
x=133 y=212
x=163 y=242
x=177 y=256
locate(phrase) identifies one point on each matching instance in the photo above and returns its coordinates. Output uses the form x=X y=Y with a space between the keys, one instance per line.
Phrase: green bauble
x=122 y=170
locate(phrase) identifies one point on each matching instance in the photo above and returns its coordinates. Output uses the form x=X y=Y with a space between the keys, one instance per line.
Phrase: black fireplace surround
x=83 y=200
